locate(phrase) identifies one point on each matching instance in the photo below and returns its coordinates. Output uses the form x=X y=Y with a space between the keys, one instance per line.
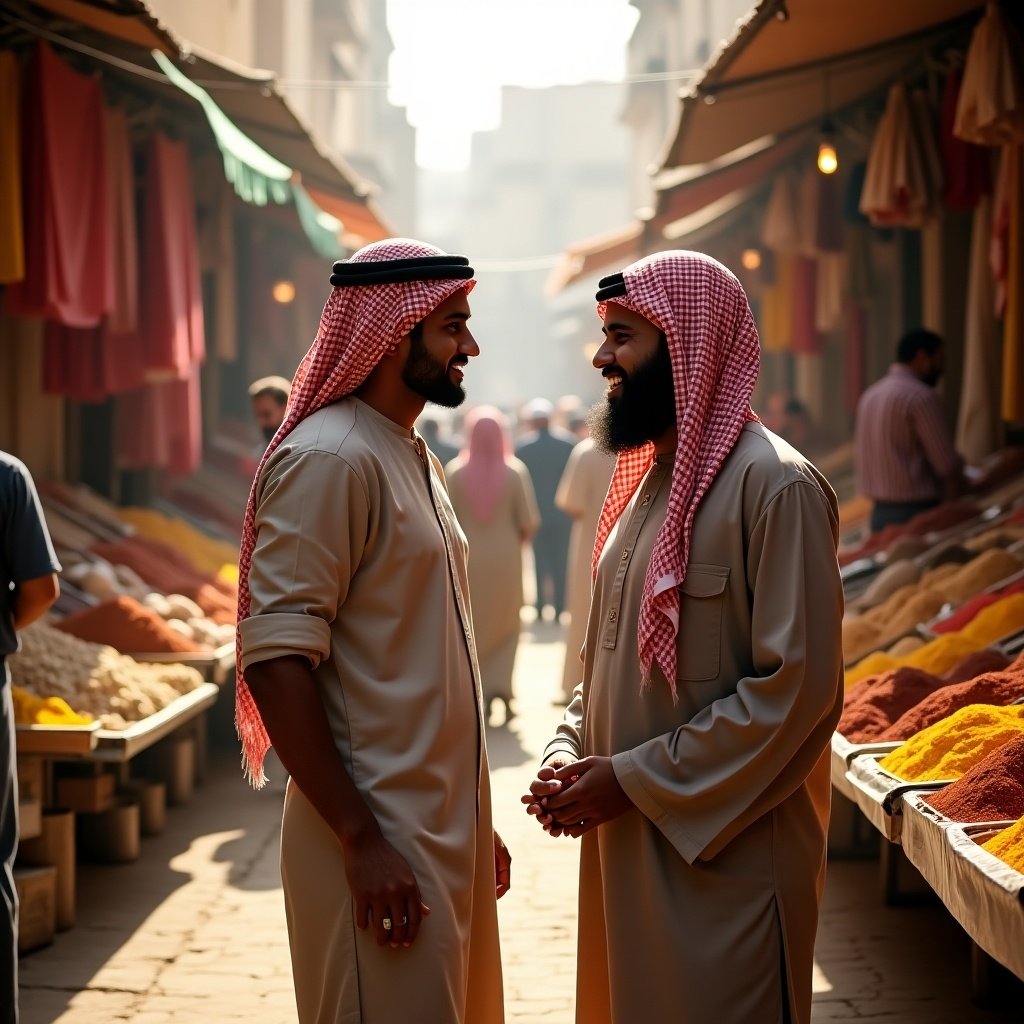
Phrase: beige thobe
x=496 y=571
x=360 y=565
x=700 y=904
x=581 y=494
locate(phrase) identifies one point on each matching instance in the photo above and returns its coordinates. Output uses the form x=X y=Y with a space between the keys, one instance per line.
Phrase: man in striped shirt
x=906 y=461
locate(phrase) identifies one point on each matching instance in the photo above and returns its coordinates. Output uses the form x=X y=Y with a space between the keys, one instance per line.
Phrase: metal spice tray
x=57 y=740
x=843 y=752
x=212 y=665
x=880 y=794
x=982 y=892
x=124 y=744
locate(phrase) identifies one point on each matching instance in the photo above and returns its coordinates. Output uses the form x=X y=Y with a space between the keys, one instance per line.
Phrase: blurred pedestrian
x=269 y=397
x=429 y=427
x=493 y=499
x=580 y=495
x=905 y=456
x=545 y=450
x=693 y=760
x=356 y=660
x=28 y=586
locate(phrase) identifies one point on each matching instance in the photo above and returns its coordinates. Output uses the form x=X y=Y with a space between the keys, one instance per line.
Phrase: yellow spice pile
x=954 y=745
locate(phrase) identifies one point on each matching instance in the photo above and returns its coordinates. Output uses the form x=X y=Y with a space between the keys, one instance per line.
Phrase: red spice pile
x=969 y=611
x=998 y=688
x=129 y=626
x=993 y=790
x=875 y=703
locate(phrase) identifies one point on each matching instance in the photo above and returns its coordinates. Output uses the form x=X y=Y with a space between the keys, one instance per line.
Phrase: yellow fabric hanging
x=12 y=243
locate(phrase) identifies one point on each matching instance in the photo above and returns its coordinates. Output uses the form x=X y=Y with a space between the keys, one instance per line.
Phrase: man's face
x=933 y=366
x=640 y=403
x=269 y=415
x=434 y=366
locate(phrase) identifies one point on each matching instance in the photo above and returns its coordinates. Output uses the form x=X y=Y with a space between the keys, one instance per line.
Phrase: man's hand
x=385 y=889
x=543 y=786
x=577 y=797
x=502 y=867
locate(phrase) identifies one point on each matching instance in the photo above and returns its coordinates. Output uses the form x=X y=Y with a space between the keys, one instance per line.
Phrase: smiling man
x=357 y=661
x=692 y=760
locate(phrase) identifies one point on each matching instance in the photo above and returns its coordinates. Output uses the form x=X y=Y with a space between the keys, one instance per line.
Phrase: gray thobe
x=699 y=905
x=360 y=565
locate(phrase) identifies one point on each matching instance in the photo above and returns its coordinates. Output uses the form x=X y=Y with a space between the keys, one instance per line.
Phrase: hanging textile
x=775 y=324
x=780 y=230
x=89 y=364
x=990 y=110
x=64 y=184
x=830 y=291
x=12 y=245
x=1013 y=312
x=979 y=431
x=123 y=237
x=806 y=338
x=899 y=185
x=966 y=167
x=159 y=426
x=171 y=316
x=216 y=237
x=855 y=349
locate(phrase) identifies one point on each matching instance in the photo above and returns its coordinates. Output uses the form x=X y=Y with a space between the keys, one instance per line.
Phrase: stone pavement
x=194 y=931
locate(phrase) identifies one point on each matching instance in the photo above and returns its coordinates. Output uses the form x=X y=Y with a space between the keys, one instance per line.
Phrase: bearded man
x=693 y=758
x=357 y=661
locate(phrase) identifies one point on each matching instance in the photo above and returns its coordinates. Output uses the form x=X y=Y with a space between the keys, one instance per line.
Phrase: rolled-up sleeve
x=312 y=523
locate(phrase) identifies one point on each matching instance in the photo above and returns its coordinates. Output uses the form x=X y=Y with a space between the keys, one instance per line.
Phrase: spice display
x=942 y=517
x=171 y=573
x=1001 y=536
x=906 y=646
x=993 y=790
x=206 y=553
x=966 y=613
x=32 y=710
x=874 y=704
x=907 y=607
x=936 y=657
x=1008 y=846
x=996 y=622
x=897 y=574
x=130 y=627
x=948 y=749
x=991 y=688
x=94 y=678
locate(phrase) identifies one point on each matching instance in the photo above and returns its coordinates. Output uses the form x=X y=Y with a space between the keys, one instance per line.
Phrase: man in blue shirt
x=28 y=586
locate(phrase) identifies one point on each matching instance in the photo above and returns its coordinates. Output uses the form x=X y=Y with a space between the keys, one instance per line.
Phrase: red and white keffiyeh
x=712 y=341
x=358 y=326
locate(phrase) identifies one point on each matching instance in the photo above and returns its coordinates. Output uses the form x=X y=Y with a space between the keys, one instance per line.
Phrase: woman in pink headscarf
x=493 y=497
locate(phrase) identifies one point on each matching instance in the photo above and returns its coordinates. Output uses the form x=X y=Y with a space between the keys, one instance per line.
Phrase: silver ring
x=386 y=924
x=404 y=921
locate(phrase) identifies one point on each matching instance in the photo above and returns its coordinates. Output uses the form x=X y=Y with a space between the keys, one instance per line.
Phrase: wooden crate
x=55 y=847
x=89 y=794
x=37 y=913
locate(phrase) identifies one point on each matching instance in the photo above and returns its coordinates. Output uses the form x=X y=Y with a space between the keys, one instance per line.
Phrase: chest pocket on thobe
x=701 y=605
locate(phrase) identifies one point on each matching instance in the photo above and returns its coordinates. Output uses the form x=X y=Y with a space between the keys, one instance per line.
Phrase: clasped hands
x=572 y=797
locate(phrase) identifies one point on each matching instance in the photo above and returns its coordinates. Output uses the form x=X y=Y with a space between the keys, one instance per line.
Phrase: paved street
x=194 y=931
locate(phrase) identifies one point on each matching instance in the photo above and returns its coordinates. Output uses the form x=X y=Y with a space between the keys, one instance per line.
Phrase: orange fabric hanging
x=12 y=246
x=67 y=271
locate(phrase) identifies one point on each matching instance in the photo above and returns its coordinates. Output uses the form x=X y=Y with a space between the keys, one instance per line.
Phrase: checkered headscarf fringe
x=358 y=326
x=713 y=345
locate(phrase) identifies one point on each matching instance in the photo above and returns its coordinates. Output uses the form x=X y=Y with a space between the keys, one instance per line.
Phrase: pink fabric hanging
x=68 y=277
x=159 y=426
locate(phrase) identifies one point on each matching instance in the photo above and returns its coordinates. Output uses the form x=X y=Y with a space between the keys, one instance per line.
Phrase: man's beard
x=642 y=411
x=268 y=433
x=429 y=379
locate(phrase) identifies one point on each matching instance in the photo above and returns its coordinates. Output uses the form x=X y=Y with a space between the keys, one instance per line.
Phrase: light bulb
x=751 y=259
x=828 y=160
x=283 y=292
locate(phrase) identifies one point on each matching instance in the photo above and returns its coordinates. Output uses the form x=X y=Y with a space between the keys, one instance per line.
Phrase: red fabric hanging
x=90 y=364
x=159 y=426
x=966 y=167
x=171 y=309
x=806 y=338
x=68 y=277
